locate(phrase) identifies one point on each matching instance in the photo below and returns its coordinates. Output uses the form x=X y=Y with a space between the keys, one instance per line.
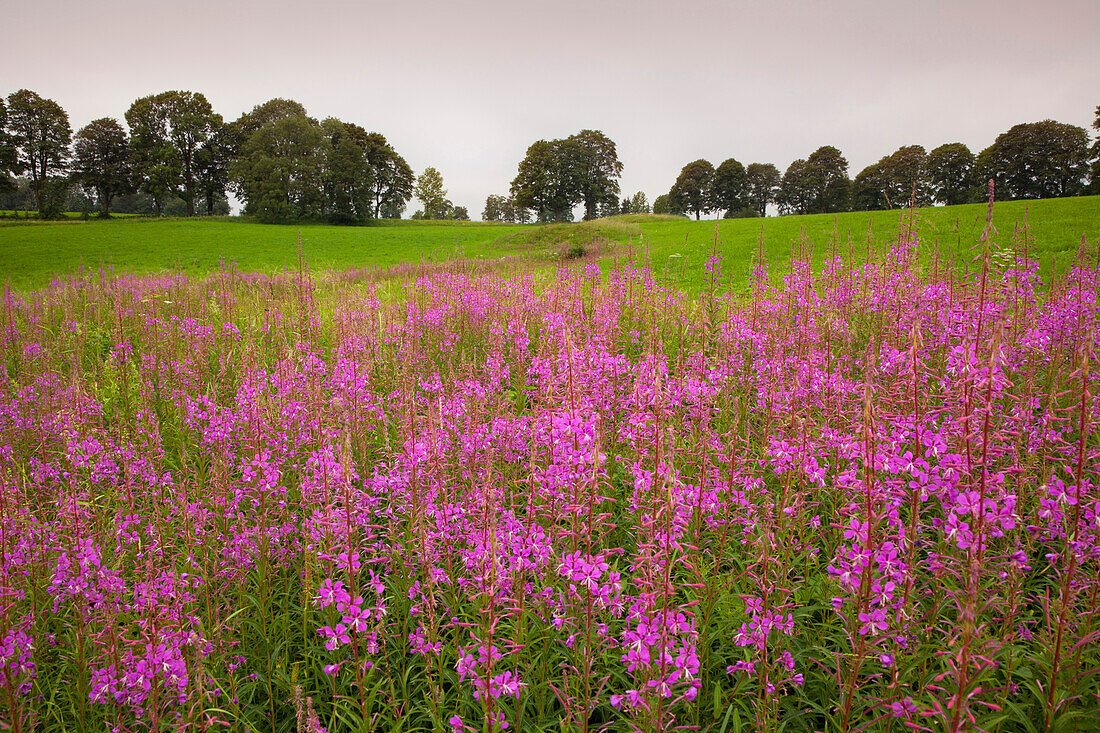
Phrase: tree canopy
x=693 y=190
x=730 y=183
x=951 y=174
x=41 y=136
x=556 y=175
x=101 y=160
x=761 y=186
x=429 y=190
x=1038 y=160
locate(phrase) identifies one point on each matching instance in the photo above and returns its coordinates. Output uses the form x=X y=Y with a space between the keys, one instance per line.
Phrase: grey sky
x=467 y=86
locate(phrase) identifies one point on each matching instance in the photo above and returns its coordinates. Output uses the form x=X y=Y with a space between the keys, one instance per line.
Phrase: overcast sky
x=467 y=86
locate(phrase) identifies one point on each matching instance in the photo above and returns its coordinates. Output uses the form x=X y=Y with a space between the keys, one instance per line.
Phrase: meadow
x=792 y=485
x=32 y=253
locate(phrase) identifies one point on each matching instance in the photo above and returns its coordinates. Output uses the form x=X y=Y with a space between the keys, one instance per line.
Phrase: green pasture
x=34 y=252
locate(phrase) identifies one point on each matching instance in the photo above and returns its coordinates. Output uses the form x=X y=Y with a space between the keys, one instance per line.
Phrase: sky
x=467 y=86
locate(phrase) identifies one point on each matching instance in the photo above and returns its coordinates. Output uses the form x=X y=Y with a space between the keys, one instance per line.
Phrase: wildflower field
x=858 y=497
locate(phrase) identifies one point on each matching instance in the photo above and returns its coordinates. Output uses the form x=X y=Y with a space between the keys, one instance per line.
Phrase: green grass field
x=33 y=252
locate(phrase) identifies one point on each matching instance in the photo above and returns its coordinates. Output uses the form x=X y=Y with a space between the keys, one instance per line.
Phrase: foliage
x=762 y=181
x=730 y=187
x=280 y=173
x=349 y=177
x=556 y=175
x=547 y=180
x=796 y=191
x=826 y=175
x=41 y=135
x=429 y=190
x=167 y=131
x=693 y=190
x=494 y=208
x=8 y=151
x=1037 y=160
x=393 y=177
x=596 y=167
x=951 y=174
x=662 y=204
x=101 y=160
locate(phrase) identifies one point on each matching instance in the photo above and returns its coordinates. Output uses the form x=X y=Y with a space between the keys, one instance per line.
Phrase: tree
x=7 y=152
x=867 y=193
x=547 y=182
x=393 y=177
x=280 y=173
x=597 y=169
x=694 y=189
x=1094 y=176
x=429 y=190
x=660 y=204
x=459 y=213
x=796 y=190
x=101 y=160
x=512 y=213
x=41 y=134
x=262 y=114
x=893 y=181
x=212 y=161
x=761 y=186
x=826 y=171
x=639 y=204
x=494 y=208
x=154 y=161
x=906 y=177
x=171 y=127
x=729 y=186
x=349 y=179
x=951 y=173
x=1044 y=159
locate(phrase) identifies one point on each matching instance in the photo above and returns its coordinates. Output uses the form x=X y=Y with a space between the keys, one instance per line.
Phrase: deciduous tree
x=826 y=171
x=547 y=181
x=906 y=177
x=693 y=189
x=7 y=151
x=41 y=135
x=429 y=190
x=1044 y=159
x=281 y=171
x=796 y=190
x=101 y=160
x=494 y=208
x=951 y=173
x=761 y=186
x=729 y=186
x=349 y=178
x=596 y=167
x=393 y=177
x=170 y=127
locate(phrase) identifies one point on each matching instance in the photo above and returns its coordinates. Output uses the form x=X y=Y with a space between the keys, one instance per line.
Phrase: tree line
x=175 y=149
x=1044 y=159
x=174 y=154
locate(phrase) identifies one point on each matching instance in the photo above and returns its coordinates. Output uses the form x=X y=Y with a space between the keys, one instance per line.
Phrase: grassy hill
x=33 y=252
